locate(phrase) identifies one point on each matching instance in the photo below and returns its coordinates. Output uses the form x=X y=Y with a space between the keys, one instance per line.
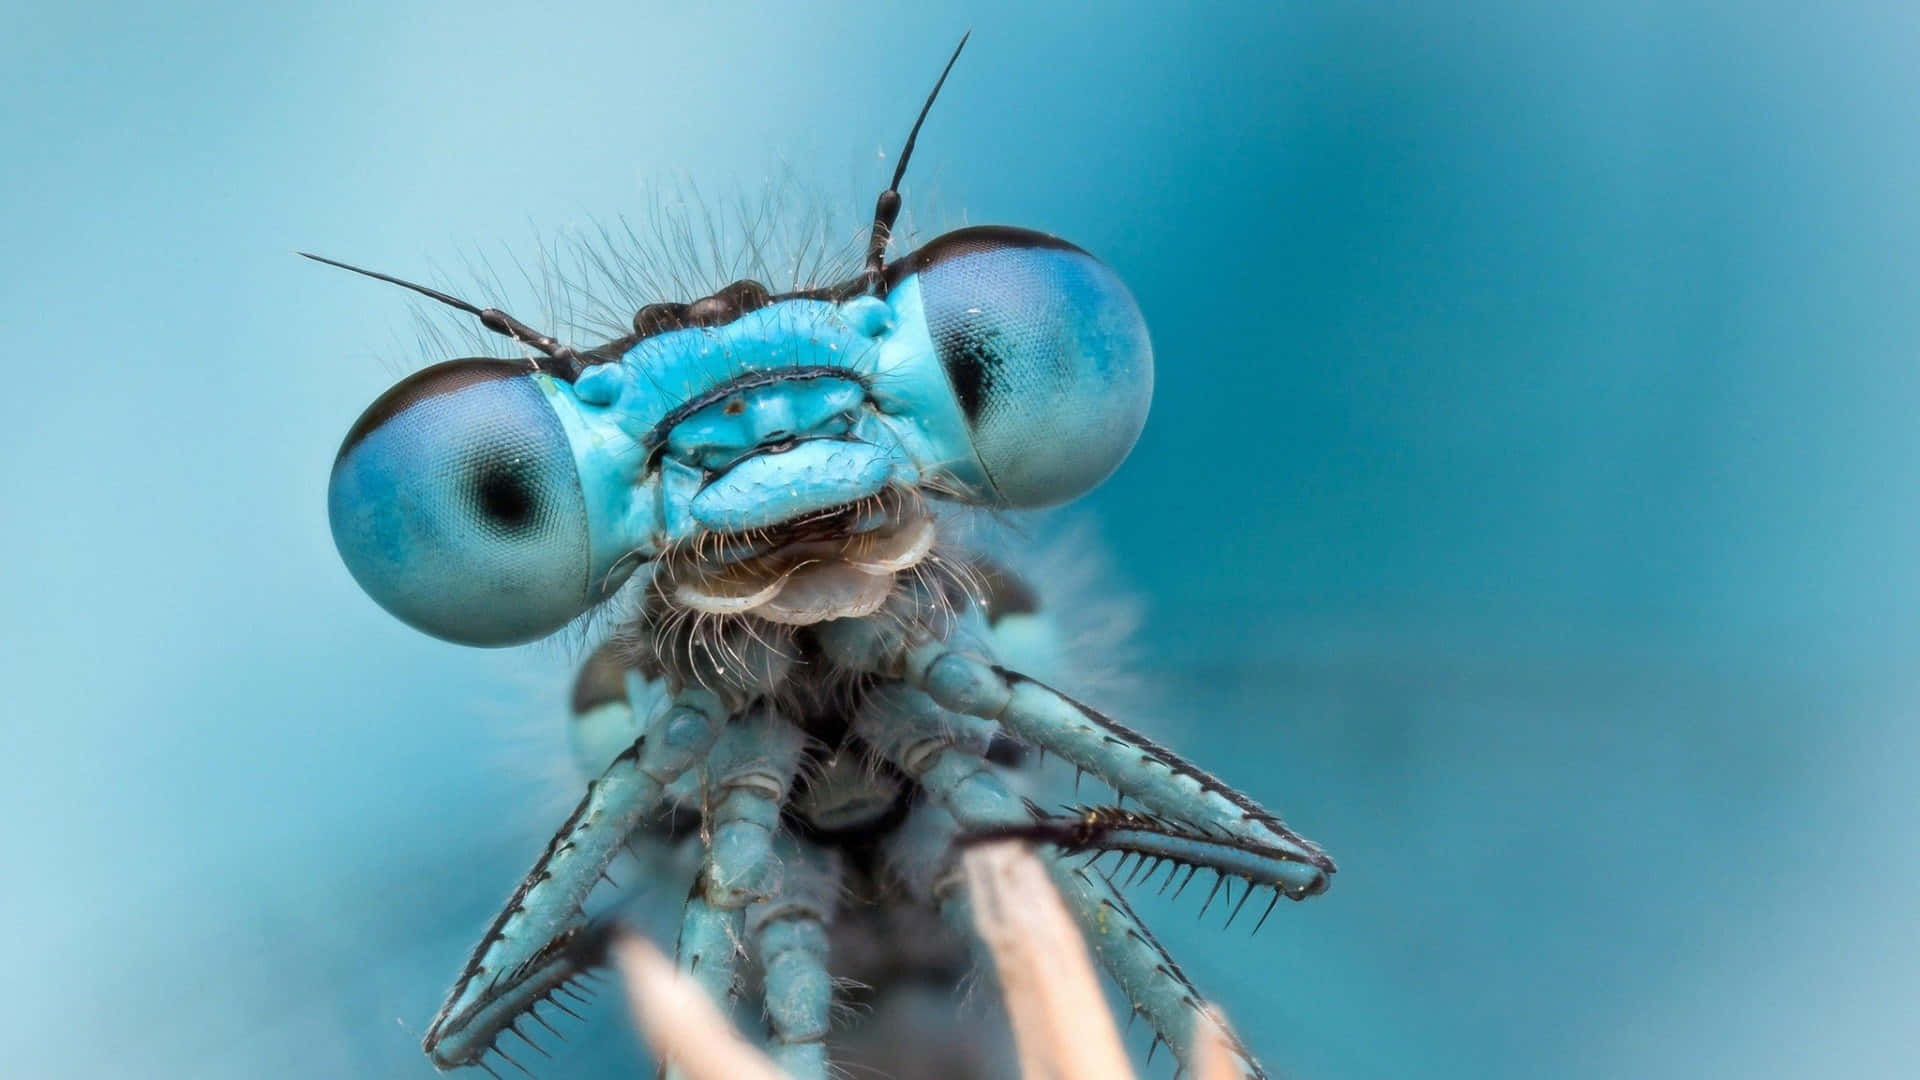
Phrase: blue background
x=1526 y=510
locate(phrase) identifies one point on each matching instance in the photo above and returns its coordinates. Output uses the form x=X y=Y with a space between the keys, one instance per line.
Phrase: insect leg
x=749 y=772
x=790 y=938
x=1153 y=983
x=942 y=752
x=1133 y=764
x=524 y=956
x=945 y=752
x=707 y=949
x=1158 y=842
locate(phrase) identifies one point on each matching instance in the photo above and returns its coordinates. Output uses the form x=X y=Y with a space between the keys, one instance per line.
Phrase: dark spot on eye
x=972 y=362
x=504 y=496
x=735 y=407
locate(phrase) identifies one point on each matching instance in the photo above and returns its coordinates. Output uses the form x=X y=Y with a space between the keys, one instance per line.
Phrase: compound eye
x=456 y=505
x=1047 y=353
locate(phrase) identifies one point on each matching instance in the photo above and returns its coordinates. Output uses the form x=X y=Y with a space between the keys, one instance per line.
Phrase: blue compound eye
x=456 y=505
x=1047 y=353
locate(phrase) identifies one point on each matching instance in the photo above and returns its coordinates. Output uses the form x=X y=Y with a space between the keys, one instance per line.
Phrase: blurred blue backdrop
x=1525 y=510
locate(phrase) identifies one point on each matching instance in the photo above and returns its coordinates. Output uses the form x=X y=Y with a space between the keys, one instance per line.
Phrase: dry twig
x=680 y=1021
x=1060 y=1018
x=1213 y=1056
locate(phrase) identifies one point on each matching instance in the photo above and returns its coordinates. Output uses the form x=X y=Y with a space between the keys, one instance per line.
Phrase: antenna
x=566 y=362
x=887 y=209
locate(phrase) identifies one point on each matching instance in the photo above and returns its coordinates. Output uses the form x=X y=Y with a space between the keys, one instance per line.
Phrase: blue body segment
x=790 y=938
x=727 y=430
x=778 y=486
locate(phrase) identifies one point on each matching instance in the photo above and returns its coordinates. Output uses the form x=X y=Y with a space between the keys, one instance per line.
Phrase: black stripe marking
x=428 y=383
x=973 y=240
x=752 y=380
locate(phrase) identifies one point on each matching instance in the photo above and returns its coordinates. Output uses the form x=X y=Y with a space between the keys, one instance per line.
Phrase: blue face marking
x=801 y=408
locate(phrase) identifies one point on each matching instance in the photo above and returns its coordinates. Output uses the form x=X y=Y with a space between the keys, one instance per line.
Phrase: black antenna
x=887 y=209
x=566 y=363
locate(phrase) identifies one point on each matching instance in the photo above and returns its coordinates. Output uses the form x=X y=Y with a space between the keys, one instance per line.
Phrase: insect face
x=490 y=505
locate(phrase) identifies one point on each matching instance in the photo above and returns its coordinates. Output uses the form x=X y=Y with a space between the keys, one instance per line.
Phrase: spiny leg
x=524 y=956
x=1148 y=976
x=943 y=752
x=750 y=770
x=1156 y=843
x=789 y=935
x=1136 y=766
